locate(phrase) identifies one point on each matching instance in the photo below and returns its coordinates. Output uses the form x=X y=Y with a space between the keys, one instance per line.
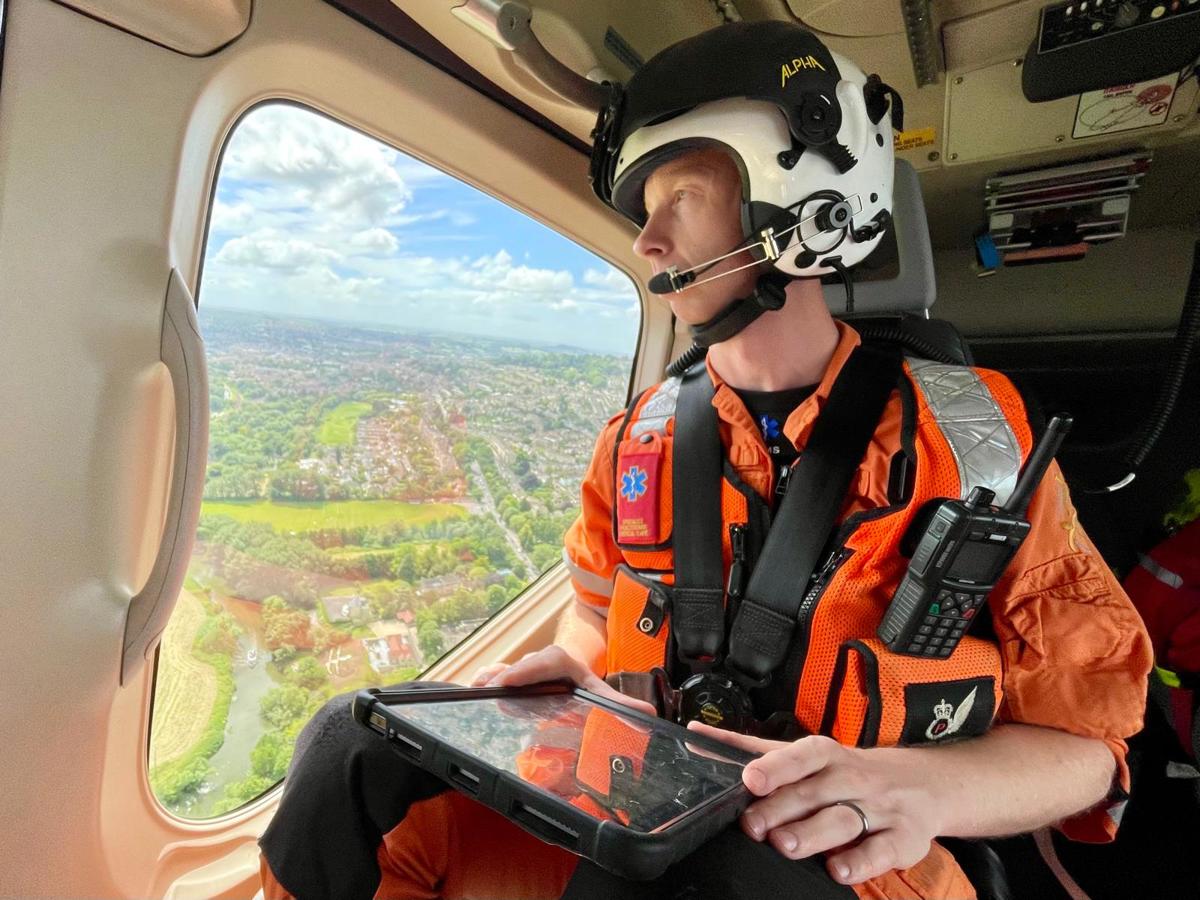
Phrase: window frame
x=505 y=635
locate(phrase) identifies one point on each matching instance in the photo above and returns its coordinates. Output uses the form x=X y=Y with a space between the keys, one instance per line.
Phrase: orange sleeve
x=589 y=550
x=1075 y=651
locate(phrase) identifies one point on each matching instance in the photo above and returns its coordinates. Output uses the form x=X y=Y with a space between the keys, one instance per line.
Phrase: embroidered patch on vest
x=638 y=467
x=943 y=710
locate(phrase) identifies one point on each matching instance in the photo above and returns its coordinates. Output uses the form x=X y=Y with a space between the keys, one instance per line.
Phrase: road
x=489 y=503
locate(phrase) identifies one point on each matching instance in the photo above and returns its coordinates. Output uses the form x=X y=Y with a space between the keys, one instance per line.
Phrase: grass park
x=300 y=517
x=337 y=427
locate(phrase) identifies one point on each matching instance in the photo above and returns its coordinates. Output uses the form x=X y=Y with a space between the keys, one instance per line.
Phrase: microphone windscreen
x=660 y=283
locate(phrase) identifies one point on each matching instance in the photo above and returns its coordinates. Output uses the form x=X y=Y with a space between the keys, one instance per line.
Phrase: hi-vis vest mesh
x=970 y=430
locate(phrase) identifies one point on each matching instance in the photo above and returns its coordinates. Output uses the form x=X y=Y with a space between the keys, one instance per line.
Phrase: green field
x=337 y=428
x=353 y=552
x=301 y=517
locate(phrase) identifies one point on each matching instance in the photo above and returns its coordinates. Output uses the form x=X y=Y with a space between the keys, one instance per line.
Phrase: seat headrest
x=898 y=276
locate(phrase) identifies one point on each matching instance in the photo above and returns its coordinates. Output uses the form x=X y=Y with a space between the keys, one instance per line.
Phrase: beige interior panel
x=1169 y=196
x=866 y=18
x=109 y=148
x=987 y=117
x=980 y=37
x=194 y=27
x=1135 y=283
x=107 y=159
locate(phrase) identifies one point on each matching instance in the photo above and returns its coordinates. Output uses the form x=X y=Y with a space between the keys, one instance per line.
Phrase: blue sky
x=314 y=219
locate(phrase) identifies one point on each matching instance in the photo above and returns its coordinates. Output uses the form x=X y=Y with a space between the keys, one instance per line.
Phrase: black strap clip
x=654 y=613
x=699 y=622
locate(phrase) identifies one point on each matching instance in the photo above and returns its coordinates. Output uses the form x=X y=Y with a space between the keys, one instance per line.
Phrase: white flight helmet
x=803 y=124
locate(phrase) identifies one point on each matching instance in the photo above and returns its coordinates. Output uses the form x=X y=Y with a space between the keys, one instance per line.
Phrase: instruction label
x=911 y=140
x=1125 y=107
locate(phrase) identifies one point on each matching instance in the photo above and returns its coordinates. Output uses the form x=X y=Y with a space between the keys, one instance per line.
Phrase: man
x=783 y=147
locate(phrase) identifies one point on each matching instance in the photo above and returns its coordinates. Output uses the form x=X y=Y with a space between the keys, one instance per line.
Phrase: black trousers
x=347 y=788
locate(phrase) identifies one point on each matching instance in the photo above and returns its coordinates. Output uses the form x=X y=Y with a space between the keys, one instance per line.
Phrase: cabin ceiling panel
x=192 y=27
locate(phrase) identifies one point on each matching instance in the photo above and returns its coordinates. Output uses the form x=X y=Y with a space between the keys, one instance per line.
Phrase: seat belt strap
x=697 y=597
x=762 y=630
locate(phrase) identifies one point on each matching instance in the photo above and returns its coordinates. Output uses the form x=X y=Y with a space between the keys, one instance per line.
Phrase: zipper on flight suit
x=736 y=584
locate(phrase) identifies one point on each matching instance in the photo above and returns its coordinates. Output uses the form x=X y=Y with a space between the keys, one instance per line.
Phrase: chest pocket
x=639 y=630
x=642 y=515
x=880 y=698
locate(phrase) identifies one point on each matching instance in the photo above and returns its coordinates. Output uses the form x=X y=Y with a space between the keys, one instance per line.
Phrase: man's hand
x=801 y=782
x=550 y=664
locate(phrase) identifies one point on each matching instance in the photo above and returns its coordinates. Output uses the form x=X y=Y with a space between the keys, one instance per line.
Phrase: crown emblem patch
x=947 y=720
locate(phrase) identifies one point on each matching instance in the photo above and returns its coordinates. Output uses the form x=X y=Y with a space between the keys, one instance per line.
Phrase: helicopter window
x=406 y=378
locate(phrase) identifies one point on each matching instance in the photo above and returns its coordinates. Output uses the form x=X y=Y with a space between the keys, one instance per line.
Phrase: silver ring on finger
x=866 y=826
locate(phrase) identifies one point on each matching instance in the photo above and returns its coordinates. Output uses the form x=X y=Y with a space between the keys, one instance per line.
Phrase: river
x=244 y=726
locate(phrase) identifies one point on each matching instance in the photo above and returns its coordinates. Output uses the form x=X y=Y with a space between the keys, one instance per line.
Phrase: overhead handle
x=508 y=26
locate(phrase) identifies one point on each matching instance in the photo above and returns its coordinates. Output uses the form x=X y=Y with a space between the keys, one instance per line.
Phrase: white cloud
x=612 y=279
x=502 y=258
x=375 y=241
x=496 y=276
x=269 y=249
x=314 y=219
x=231 y=216
x=330 y=287
x=322 y=164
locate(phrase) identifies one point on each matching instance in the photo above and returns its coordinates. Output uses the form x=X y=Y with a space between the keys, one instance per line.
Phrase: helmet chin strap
x=769 y=294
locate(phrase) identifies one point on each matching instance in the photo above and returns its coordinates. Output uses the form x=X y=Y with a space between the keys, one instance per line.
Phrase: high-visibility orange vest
x=968 y=429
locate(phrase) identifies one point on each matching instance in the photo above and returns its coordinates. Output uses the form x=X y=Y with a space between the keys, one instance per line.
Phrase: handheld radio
x=964 y=548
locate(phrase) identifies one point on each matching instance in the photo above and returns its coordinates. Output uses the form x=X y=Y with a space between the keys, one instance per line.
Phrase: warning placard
x=911 y=140
x=1125 y=107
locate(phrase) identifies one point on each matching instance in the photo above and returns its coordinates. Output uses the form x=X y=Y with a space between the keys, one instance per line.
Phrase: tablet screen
x=644 y=775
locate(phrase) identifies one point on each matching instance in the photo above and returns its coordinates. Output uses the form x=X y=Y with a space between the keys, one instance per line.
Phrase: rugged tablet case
x=638 y=856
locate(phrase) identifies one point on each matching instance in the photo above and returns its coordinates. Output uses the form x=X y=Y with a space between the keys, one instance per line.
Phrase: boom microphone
x=664 y=282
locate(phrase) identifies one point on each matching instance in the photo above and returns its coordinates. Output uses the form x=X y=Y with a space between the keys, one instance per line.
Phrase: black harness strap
x=697 y=599
x=762 y=629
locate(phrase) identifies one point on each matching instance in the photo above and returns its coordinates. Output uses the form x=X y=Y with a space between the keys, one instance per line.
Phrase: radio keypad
x=947 y=620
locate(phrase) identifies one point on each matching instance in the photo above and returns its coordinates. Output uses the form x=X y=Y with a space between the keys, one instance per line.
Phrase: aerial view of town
x=372 y=496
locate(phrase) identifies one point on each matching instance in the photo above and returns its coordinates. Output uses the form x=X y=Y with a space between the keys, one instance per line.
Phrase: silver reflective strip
x=1166 y=576
x=974 y=425
x=589 y=581
x=656 y=411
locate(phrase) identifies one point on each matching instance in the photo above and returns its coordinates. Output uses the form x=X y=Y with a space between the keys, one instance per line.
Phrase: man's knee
x=333 y=734
x=332 y=724
x=345 y=789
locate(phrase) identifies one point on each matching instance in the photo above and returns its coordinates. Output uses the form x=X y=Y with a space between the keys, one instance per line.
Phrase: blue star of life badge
x=770 y=427
x=633 y=483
